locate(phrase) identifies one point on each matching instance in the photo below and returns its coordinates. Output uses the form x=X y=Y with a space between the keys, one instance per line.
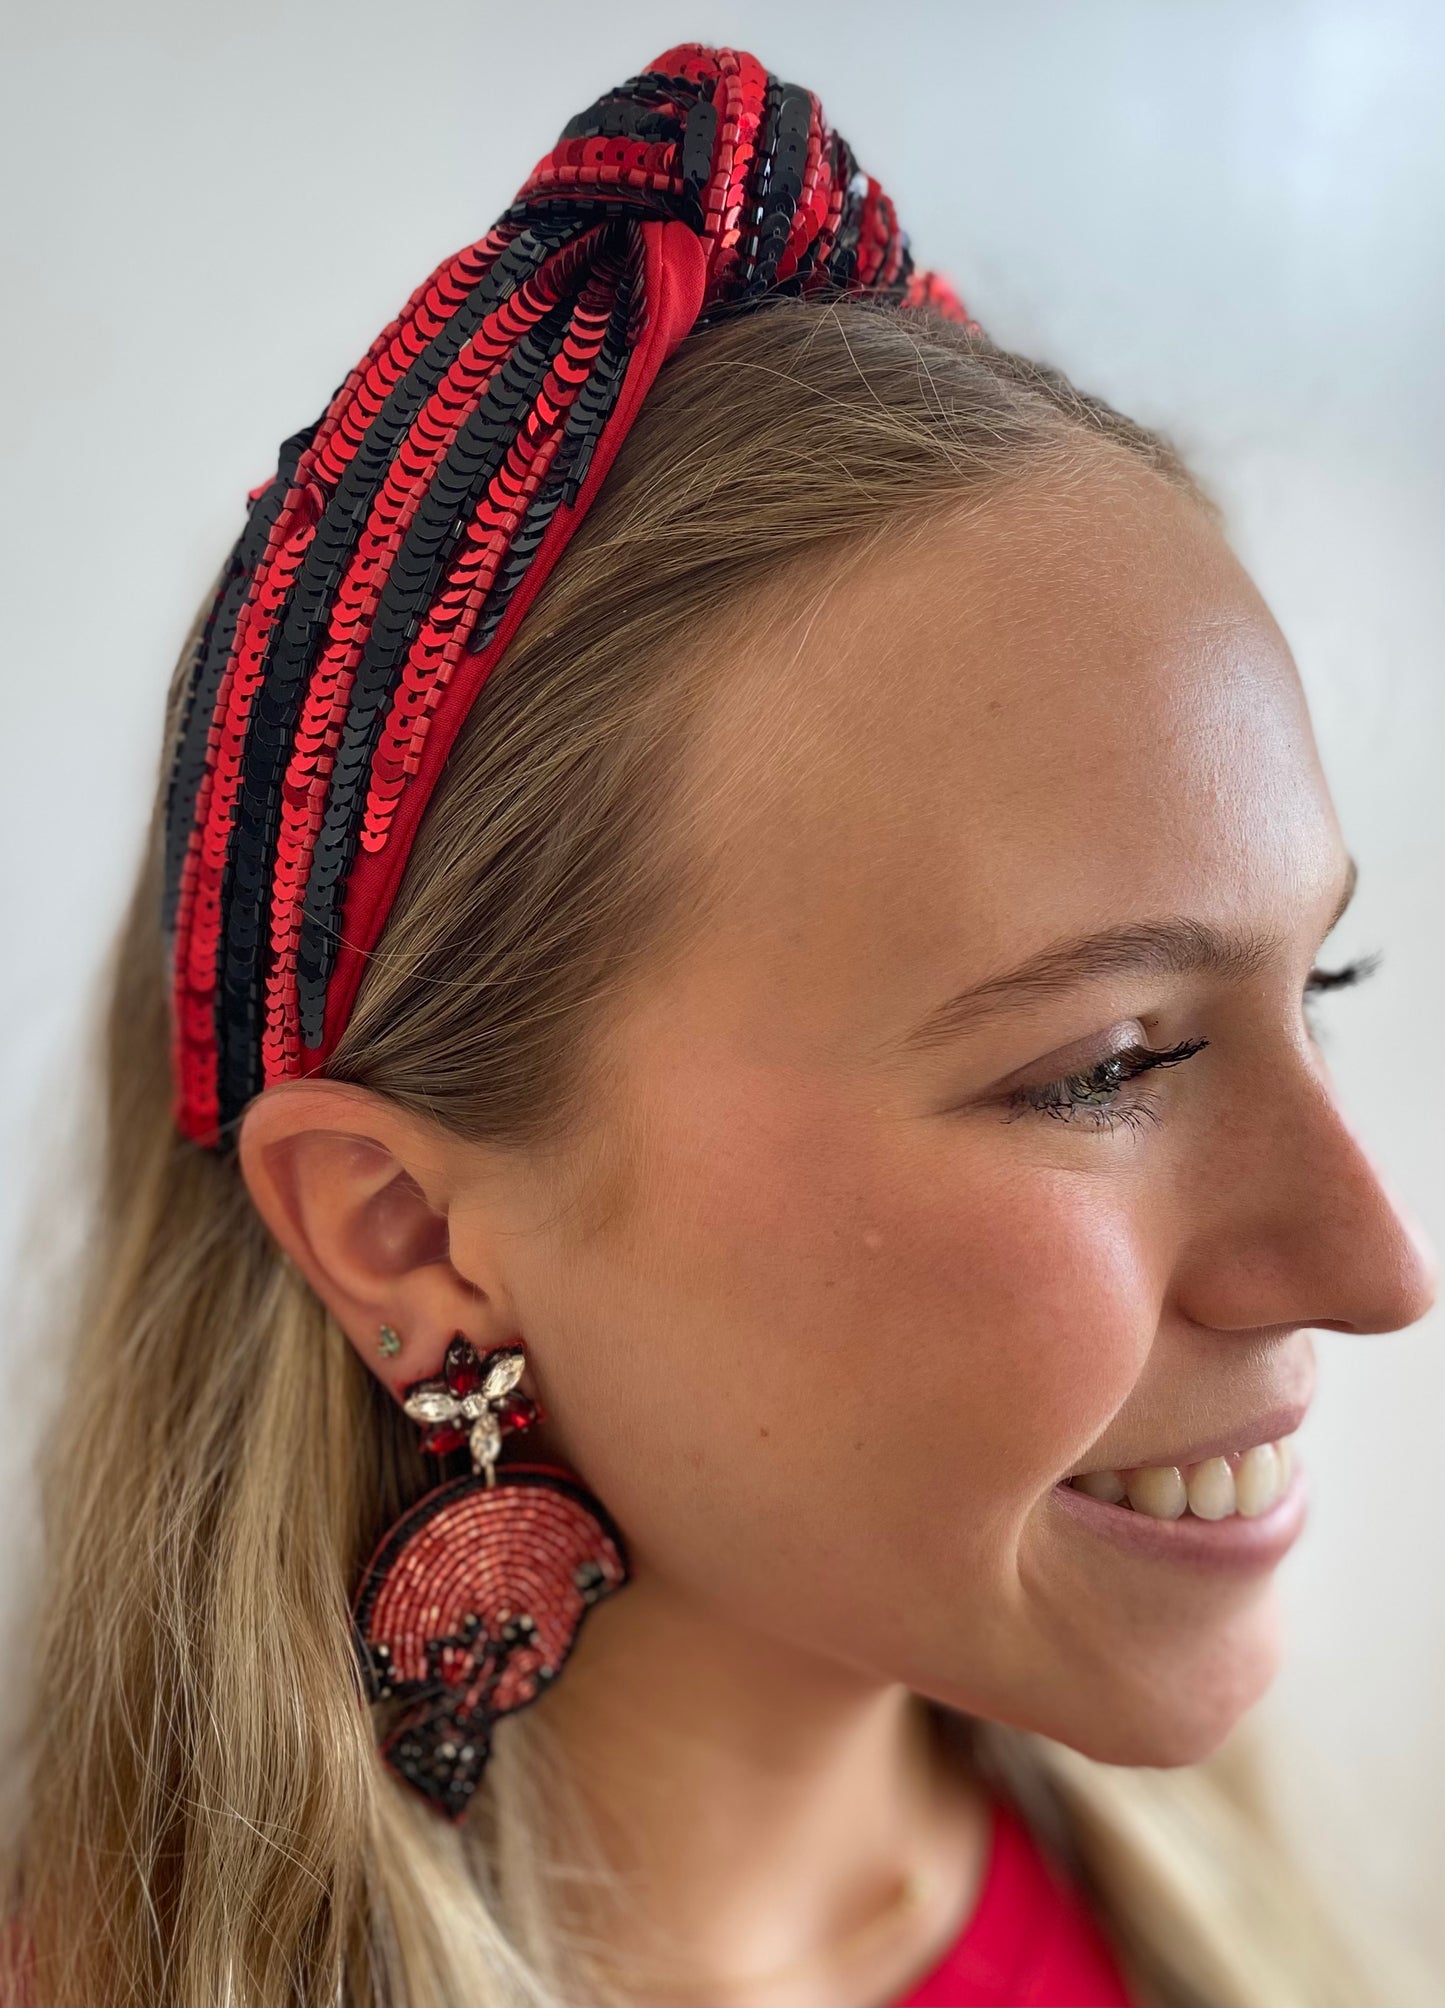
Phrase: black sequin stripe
x=190 y=760
x=778 y=182
x=813 y=261
x=300 y=630
x=593 y=404
x=624 y=112
x=513 y=568
x=842 y=259
x=650 y=107
x=607 y=375
x=411 y=586
x=581 y=429
x=201 y=654
x=699 y=145
x=750 y=214
x=570 y=211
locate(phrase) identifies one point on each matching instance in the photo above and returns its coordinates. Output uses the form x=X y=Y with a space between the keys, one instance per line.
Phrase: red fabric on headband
x=676 y=274
x=388 y=563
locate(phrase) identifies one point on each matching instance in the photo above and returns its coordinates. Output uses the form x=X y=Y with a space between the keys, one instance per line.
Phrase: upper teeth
x=1246 y=1482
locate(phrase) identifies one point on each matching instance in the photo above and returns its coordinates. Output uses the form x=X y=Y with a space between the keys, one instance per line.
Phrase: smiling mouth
x=1239 y=1484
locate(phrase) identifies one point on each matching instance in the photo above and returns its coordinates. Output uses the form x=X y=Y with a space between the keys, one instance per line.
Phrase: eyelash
x=1064 y=1099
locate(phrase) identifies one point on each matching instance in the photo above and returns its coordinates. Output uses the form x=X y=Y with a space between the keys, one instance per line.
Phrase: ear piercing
x=389 y=1343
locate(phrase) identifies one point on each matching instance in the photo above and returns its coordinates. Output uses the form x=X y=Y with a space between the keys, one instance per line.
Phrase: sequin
x=398 y=530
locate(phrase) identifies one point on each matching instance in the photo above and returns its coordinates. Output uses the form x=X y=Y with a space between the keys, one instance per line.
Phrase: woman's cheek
x=1036 y=1299
x=813 y=1298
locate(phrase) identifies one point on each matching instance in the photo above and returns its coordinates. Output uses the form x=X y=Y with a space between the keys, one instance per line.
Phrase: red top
x=1031 y=1941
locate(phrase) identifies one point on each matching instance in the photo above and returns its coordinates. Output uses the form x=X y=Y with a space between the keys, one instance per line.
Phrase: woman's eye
x=1102 y=1097
x=1321 y=980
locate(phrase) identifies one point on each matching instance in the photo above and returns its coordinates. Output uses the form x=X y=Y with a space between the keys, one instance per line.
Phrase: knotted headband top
x=386 y=565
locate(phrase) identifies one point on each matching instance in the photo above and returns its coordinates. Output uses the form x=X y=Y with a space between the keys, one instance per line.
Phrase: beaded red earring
x=471 y=1605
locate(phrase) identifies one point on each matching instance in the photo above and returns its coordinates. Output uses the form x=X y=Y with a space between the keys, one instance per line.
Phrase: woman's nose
x=1301 y=1225
x=1398 y=1279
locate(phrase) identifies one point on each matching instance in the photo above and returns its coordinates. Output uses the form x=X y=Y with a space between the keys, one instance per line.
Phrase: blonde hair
x=207 y=1821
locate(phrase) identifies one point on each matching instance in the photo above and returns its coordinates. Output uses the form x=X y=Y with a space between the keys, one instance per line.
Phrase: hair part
x=208 y=1819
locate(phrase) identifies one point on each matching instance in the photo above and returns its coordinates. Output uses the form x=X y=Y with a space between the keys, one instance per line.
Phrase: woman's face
x=845 y=1308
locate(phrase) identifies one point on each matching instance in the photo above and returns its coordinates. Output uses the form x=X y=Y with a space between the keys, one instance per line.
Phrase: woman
x=755 y=1179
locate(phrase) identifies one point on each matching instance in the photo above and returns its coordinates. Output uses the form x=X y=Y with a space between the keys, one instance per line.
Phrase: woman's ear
x=357 y=1192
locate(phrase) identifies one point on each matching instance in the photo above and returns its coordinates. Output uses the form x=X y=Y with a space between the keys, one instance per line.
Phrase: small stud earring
x=389 y=1343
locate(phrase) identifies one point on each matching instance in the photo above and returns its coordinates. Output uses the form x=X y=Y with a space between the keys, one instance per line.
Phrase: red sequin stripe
x=719 y=121
x=740 y=100
x=286 y=547
x=433 y=654
x=880 y=248
x=198 y=920
x=308 y=773
x=928 y=289
x=350 y=412
x=673 y=259
x=396 y=348
x=597 y=165
x=193 y=1058
x=451 y=618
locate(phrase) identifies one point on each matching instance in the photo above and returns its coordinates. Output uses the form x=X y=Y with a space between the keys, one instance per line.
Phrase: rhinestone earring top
x=473 y=1401
x=469 y=1609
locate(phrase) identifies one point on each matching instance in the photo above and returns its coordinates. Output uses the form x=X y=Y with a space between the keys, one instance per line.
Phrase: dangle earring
x=471 y=1605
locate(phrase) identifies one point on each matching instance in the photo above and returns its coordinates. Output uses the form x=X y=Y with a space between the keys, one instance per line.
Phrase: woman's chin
x=1163 y=1710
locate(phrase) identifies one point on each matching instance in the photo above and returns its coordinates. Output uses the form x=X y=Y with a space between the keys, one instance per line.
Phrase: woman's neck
x=761 y=1805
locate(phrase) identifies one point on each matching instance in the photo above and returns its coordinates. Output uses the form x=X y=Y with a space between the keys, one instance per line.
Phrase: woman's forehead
x=1068 y=706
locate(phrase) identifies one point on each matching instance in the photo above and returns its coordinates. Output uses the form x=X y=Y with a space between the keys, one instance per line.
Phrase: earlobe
x=356 y=1194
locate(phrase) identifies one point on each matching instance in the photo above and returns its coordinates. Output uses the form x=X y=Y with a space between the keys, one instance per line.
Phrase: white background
x=1224 y=214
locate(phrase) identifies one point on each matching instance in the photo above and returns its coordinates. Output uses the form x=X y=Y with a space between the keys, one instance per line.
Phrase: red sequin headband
x=387 y=564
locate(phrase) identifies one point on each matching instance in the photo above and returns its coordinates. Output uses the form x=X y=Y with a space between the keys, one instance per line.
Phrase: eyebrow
x=1177 y=946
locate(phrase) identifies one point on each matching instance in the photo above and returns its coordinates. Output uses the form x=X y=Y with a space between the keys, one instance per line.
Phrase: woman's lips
x=1233 y=1543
